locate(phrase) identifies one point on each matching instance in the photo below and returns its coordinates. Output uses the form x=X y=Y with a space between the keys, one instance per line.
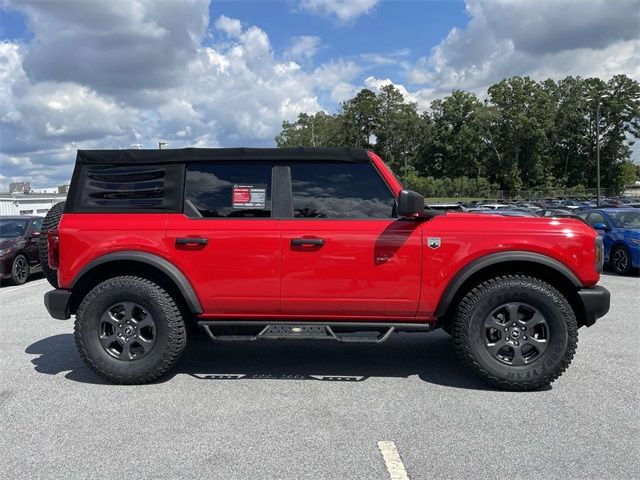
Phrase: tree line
x=524 y=135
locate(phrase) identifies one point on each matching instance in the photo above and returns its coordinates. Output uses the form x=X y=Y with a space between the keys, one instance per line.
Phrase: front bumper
x=596 y=302
x=57 y=303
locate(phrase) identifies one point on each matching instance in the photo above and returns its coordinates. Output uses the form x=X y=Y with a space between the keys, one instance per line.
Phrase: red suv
x=306 y=243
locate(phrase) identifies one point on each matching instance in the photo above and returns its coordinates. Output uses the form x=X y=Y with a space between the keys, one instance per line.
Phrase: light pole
x=597 y=99
x=162 y=144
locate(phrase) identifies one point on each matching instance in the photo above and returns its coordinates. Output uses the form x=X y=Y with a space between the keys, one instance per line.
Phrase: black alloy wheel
x=516 y=334
x=20 y=270
x=127 y=331
x=620 y=260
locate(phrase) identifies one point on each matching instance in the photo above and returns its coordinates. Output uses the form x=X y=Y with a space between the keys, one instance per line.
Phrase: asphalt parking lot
x=289 y=410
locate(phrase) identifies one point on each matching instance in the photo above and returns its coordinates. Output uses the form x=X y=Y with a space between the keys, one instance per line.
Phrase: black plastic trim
x=496 y=258
x=596 y=302
x=57 y=303
x=178 y=278
x=321 y=330
x=281 y=198
x=137 y=157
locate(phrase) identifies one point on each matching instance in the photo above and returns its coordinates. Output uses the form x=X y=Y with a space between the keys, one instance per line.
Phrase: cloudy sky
x=109 y=74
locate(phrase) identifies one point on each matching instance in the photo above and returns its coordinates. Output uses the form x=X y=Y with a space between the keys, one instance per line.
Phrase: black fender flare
x=166 y=267
x=496 y=258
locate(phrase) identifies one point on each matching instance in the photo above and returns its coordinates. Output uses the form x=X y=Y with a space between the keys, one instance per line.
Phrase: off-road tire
x=18 y=267
x=469 y=331
x=170 y=333
x=620 y=266
x=50 y=222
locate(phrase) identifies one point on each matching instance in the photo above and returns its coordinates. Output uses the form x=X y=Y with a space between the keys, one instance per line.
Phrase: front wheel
x=515 y=332
x=621 y=260
x=129 y=330
x=20 y=270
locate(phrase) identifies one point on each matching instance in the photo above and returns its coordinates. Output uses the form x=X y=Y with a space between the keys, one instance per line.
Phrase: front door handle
x=191 y=241
x=307 y=242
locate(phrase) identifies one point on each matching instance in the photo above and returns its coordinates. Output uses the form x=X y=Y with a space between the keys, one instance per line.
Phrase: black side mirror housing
x=410 y=204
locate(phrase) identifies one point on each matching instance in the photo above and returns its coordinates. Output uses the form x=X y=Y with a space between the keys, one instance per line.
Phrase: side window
x=36 y=225
x=596 y=218
x=340 y=190
x=228 y=190
x=121 y=188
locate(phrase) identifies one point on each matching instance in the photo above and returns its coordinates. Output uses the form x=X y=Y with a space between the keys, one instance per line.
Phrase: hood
x=9 y=242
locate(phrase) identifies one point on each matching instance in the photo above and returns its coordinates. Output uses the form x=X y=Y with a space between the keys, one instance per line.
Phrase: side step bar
x=347 y=332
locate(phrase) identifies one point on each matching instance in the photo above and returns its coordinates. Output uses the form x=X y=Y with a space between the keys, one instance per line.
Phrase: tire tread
x=469 y=303
x=172 y=315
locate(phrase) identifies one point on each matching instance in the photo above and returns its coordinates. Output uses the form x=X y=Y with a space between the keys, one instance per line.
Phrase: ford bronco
x=305 y=243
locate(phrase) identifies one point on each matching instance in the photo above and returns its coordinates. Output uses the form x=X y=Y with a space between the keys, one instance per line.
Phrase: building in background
x=29 y=203
x=19 y=187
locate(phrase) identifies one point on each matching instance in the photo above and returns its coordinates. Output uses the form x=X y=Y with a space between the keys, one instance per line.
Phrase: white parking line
x=392 y=460
x=29 y=284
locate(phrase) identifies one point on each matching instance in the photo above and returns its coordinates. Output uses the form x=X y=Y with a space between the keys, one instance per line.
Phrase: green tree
x=318 y=130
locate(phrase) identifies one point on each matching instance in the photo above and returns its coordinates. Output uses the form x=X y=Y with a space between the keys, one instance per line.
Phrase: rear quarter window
x=135 y=188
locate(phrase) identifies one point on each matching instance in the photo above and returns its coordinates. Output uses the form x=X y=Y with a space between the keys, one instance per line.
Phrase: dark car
x=19 y=247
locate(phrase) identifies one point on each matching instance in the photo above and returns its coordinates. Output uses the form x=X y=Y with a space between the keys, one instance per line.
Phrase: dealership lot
x=291 y=410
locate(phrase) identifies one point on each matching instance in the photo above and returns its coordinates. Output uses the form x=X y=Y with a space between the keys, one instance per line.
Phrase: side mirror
x=35 y=233
x=599 y=226
x=410 y=204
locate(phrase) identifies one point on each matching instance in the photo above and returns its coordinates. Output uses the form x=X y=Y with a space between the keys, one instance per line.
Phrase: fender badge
x=433 y=242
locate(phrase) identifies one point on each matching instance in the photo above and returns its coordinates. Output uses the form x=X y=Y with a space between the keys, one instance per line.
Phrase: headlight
x=4 y=251
x=599 y=254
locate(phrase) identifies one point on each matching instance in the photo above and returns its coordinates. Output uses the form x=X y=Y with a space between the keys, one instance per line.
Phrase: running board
x=346 y=332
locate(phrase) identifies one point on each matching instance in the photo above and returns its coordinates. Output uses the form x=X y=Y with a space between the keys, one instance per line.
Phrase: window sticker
x=249 y=196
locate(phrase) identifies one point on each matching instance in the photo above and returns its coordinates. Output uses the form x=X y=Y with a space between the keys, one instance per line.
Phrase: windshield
x=12 y=228
x=626 y=219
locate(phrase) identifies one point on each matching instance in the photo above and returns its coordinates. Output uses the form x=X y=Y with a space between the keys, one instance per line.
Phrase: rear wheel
x=129 y=330
x=621 y=260
x=20 y=270
x=516 y=332
x=50 y=222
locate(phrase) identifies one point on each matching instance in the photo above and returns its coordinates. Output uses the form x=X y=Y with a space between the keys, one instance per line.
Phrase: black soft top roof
x=128 y=157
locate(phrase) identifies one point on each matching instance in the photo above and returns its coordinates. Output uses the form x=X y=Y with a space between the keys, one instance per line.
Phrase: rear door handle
x=191 y=241
x=301 y=242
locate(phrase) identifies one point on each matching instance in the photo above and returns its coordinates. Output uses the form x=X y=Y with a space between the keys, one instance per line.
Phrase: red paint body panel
x=468 y=237
x=238 y=271
x=83 y=237
x=369 y=270
x=365 y=267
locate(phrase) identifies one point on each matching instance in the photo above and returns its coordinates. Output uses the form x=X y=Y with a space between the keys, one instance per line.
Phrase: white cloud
x=546 y=38
x=422 y=98
x=115 y=45
x=230 y=26
x=303 y=47
x=342 y=10
x=232 y=94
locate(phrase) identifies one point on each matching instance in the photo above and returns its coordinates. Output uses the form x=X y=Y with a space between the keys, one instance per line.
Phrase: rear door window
x=343 y=190
x=228 y=190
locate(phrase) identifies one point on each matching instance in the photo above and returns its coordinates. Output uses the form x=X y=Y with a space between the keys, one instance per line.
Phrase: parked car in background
x=447 y=207
x=507 y=213
x=19 y=247
x=495 y=206
x=620 y=228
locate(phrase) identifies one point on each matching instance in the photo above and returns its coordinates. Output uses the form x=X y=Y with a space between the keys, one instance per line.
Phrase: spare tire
x=50 y=222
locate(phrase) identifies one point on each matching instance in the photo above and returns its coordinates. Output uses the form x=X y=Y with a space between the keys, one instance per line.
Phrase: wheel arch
x=142 y=264
x=503 y=263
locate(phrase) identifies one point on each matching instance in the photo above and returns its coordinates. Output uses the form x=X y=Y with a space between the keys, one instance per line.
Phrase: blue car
x=620 y=229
